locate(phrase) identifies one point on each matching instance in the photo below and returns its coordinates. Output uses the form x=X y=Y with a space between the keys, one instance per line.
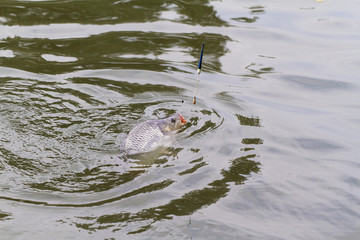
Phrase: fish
x=147 y=135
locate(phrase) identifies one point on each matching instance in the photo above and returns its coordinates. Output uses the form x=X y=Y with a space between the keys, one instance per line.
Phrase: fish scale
x=144 y=136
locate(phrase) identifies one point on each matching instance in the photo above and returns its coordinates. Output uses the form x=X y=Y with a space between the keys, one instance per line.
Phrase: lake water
x=270 y=149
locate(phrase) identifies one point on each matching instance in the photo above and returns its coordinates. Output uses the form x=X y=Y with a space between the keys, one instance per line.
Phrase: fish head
x=175 y=121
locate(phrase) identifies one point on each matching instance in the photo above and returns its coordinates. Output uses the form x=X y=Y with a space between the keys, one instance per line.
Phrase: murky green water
x=270 y=150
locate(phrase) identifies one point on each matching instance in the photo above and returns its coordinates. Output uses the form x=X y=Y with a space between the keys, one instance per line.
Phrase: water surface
x=270 y=150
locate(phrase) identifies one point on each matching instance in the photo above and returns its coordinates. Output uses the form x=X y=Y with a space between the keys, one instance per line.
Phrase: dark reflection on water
x=198 y=13
x=115 y=49
x=107 y=12
x=123 y=50
x=252 y=141
x=4 y=216
x=254 y=10
x=90 y=180
x=126 y=88
x=257 y=71
x=246 y=19
x=248 y=121
x=190 y=202
x=257 y=10
x=107 y=176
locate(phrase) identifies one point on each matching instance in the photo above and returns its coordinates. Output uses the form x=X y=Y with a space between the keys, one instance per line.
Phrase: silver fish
x=144 y=136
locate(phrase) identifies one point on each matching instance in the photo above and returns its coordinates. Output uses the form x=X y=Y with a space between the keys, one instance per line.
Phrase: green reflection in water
x=194 y=168
x=4 y=216
x=198 y=13
x=187 y=204
x=254 y=10
x=90 y=180
x=257 y=70
x=27 y=167
x=120 y=50
x=249 y=121
x=246 y=19
x=126 y=88
x=257 y=10
x=252 y=141
x=107 y=12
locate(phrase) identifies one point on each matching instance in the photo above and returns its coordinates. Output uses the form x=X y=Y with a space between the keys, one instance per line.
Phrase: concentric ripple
x=269 y=151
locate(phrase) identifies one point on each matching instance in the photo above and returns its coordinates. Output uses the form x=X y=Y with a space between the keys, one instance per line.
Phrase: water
x=270 y=150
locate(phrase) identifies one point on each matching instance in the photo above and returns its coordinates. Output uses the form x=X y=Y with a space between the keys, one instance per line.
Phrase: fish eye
x=172 y=120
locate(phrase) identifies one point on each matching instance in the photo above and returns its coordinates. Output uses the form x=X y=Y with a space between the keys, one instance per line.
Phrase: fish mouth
x=182 y=119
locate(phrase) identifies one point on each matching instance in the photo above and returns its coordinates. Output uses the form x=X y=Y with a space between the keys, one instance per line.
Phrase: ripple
x=73 y=121
x=265 y=153
x=318 y=145
x=70 y=156
x=317 y=84
x=185 y=204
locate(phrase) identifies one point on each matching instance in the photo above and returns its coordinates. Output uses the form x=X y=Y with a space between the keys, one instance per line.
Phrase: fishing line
x=200 y=61
x=212 y=16
x=198 y=71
